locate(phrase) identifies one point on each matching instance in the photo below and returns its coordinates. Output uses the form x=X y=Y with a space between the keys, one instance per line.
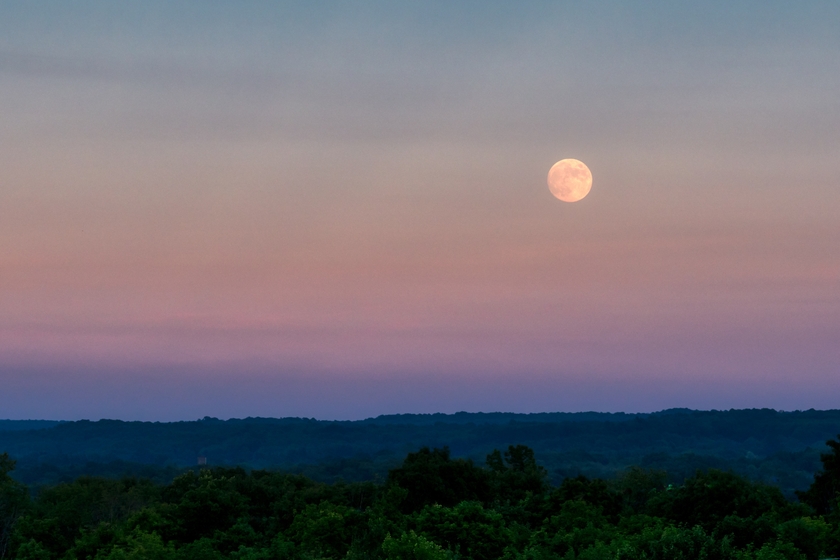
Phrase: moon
x=569 y=180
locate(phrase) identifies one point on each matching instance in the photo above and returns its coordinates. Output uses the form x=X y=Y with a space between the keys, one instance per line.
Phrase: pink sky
x=357 y=206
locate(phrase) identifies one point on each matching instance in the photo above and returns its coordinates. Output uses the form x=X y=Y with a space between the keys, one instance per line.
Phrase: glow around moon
x=569 y=180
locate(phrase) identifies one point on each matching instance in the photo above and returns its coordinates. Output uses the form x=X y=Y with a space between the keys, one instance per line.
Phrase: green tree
x=808 y=535
x=518 y=474
x=202 y=549
x=745 y=532
x=60 y=514
x=592 y=491
x=709 y=497
x=433 y=477
x=778 y=550
x=201 y=504
x=468 y=529
x=577 y=525
x=411 y=546
x=32 y=550
x=674 y=543
x=13 y=502
x=824 y=493
x=637 y=485
x=140 y=546
x=325 y=530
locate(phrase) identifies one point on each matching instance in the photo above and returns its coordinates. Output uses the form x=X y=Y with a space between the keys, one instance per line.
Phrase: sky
x=339 y=209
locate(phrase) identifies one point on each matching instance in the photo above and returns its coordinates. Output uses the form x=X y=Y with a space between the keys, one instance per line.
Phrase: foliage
x=433 y=477
x=13 y=502
x=467 y=529
x=431 y=507
x=824 y=493
x=709 y=497
x=411 y=546
x=513 y=478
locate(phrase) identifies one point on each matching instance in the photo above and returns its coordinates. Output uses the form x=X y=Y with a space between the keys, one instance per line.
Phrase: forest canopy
x=431 y=506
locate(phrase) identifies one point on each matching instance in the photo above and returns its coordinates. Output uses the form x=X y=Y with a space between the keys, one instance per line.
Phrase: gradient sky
x=339 y=209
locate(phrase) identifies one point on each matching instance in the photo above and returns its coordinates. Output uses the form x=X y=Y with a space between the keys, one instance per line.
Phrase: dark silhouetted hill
x=781 y=448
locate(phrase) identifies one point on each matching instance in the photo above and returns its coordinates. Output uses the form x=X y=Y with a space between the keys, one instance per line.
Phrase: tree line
x=780 y=448
x=430 y=507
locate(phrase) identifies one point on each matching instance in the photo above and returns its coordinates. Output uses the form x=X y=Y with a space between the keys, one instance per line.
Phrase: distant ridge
x=499 y=417
x=776 y=447
x=429 y=418
x=18 y=425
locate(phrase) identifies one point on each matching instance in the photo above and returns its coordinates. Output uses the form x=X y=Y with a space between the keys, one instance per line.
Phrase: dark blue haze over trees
x=778 y=448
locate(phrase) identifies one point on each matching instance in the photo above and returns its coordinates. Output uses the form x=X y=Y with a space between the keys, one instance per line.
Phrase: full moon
x=569 y=180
